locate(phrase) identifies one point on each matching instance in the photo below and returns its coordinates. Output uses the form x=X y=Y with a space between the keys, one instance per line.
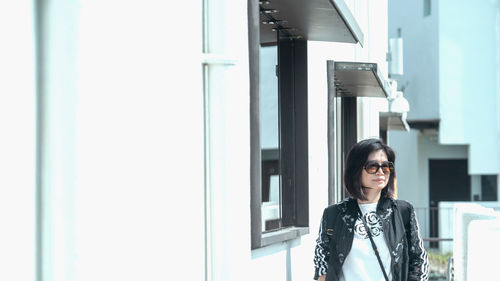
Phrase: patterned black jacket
x=409 y=260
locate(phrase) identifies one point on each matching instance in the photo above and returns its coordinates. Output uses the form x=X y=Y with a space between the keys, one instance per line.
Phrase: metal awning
x=393 y=121
x=356 y=79
x=424 y=124
x=317 y=20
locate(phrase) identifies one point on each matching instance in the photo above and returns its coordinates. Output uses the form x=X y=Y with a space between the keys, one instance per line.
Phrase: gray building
x=451 y=80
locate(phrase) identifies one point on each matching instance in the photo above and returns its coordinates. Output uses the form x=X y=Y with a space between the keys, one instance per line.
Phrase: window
x=279 y=135
x=489 y=188
x=427 y=8
x=335 y=149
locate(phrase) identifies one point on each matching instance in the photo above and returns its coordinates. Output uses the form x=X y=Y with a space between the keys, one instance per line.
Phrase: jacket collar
x=349 y=211
x=351 y=206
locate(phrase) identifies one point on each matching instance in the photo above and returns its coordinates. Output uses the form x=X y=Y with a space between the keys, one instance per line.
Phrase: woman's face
x=378 y=180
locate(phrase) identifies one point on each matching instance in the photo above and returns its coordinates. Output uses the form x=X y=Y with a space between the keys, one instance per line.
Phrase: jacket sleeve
x=418 y=267
x=322 y=250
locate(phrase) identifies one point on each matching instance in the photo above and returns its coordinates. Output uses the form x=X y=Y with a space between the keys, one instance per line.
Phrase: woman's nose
x=379 y=171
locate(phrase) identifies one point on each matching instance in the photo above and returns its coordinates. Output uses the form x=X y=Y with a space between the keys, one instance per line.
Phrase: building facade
x=161 y=141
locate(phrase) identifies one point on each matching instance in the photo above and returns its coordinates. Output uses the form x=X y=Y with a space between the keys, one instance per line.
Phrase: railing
x=437 y=232
x=436 y=228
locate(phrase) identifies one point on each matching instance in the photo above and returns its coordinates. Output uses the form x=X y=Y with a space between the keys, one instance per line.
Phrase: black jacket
x=401 y=231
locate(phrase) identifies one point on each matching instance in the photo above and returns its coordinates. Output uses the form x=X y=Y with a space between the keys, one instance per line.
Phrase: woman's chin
x=376 y=187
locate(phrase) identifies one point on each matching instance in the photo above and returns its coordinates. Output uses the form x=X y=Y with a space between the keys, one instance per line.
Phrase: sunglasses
x=371 y=167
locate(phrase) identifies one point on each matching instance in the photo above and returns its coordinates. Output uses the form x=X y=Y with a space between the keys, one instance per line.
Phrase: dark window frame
x=342 y=135
x=294 y=170
x=349 y=130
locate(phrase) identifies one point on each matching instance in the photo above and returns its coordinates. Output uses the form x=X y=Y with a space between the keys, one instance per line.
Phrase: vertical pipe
x=331 y=119
x=207 y=185
x=39 y=73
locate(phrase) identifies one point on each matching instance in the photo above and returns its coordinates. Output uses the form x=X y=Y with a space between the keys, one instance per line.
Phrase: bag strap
x=368 y=231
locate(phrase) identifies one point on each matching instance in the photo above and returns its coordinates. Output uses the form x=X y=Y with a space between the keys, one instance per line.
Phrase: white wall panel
x=124 y=177
x=17 y=141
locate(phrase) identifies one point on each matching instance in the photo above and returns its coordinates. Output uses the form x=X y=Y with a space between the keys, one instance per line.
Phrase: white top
x=361 y=263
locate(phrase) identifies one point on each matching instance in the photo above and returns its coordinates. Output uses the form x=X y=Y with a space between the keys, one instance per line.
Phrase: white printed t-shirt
x=361 y=263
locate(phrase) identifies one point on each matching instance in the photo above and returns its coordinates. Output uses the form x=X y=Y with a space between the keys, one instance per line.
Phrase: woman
x=347 y=241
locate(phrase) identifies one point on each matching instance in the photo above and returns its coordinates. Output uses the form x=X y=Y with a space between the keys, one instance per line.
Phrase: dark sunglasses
x=371 y=167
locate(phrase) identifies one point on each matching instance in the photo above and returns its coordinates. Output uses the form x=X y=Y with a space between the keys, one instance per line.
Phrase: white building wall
x=146 y=141
x=376 y=40
x=227 y=141
x=17 y=141
x=123 y=158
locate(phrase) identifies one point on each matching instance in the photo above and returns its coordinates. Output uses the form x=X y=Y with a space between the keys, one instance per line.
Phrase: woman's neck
x=372 y=196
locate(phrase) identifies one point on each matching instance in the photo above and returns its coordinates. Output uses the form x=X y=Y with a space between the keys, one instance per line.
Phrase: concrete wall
x=481 y=235
x=420 y=55
x=447 y=219
x=476 y=230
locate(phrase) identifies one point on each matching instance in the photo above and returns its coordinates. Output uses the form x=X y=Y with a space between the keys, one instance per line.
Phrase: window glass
x=270 y=139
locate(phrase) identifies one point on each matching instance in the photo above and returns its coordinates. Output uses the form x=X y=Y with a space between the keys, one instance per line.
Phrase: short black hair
x=356 y=159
